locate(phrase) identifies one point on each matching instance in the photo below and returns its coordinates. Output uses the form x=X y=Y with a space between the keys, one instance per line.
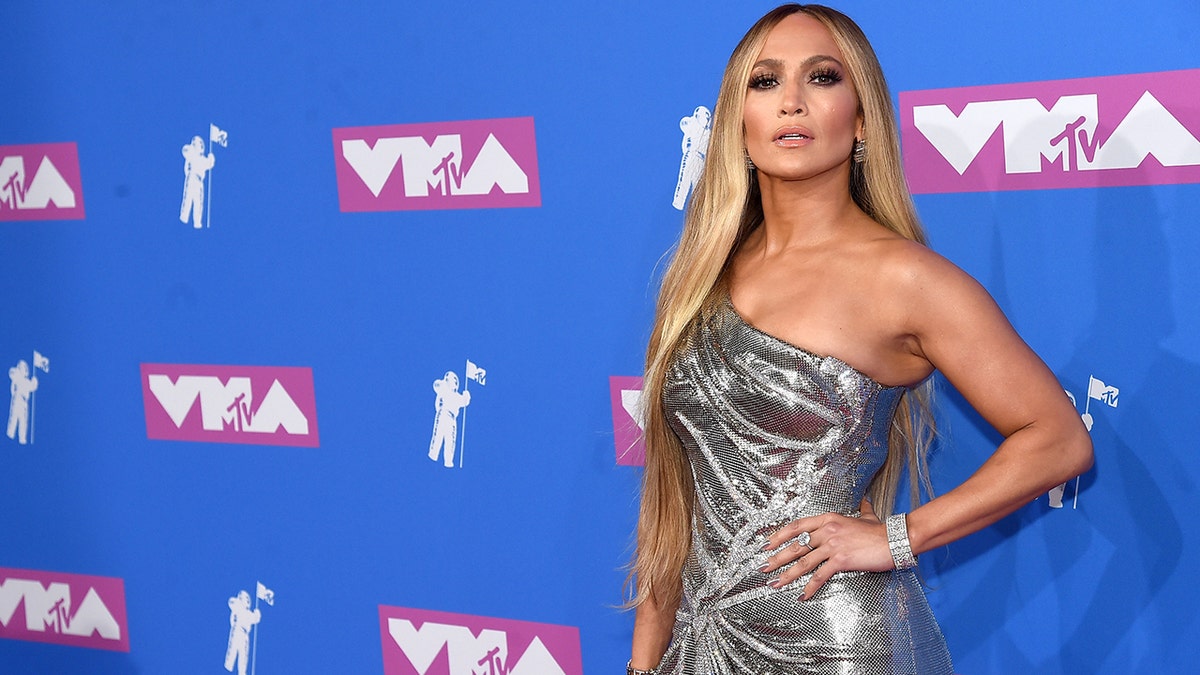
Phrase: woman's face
x=801 y=115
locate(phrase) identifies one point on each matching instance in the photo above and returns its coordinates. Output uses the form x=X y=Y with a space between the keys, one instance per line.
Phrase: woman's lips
x=792 y=136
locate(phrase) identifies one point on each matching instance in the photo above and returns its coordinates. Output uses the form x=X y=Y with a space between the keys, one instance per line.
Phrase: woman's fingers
x=825 y=545
x=790 y=531
x=787 y=554
x=793 y=541
x=805 y=564
x=822 y=574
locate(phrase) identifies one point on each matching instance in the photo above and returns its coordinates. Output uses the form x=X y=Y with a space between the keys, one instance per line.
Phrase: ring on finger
x=803 y=538
x=811 y=548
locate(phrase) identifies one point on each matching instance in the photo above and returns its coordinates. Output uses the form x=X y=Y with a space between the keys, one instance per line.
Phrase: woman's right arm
x=652 y=628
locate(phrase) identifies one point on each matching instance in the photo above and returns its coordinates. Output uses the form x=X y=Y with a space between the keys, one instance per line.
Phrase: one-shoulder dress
x=775 y=433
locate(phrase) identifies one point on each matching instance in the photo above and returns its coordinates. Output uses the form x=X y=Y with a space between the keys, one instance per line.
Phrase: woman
x=797 y=328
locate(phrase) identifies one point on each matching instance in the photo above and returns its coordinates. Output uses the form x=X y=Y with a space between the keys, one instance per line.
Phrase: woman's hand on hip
x=826 y=544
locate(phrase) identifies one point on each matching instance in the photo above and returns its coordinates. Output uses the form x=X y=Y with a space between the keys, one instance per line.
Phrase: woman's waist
x=725 y=520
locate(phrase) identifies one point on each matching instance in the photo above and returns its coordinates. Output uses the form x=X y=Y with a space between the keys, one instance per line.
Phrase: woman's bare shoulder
x=907 y=265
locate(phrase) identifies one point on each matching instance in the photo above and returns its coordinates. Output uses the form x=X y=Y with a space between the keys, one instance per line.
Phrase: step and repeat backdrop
x=325 y=322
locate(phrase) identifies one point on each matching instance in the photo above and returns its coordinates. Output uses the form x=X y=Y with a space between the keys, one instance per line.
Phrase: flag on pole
x=265 y=594
x=1102 y=392
x=215 y=135
x=40 y=361
x=476 y=373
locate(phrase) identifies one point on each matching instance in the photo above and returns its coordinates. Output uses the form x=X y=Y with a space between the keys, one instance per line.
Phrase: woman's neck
x=802 y=213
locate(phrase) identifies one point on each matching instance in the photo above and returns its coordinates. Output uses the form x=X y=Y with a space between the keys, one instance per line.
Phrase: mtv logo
x=628 y=419
x=261 y=405
x=1092 y=132
x=423 y=642
x=50 y=614
x=40 y=182
x=441 y=165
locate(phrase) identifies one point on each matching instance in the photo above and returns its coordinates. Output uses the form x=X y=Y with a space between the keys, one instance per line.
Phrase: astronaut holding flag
x=242 y=620
x=197 y=172
x=449 y=404
x=23 y=390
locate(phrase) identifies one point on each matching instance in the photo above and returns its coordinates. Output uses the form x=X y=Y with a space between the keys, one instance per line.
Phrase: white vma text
x=1066 y=131
x=485 y=653
x=437 y=166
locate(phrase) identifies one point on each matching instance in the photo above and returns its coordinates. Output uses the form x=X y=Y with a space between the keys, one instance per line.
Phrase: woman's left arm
x=955 y=325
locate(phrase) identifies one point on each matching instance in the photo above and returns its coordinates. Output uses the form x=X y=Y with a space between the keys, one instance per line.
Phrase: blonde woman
x=797 y=327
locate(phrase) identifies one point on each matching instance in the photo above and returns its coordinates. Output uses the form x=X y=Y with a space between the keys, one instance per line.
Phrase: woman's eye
x=763 y=82
x=825 y=77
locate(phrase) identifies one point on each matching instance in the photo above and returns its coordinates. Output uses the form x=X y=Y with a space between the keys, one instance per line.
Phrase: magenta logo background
x=40 y=182
x=470 y=164
x=260 y=405
x=66 y=609
x=1093 y=132
x=423 y=642
x=626 y=394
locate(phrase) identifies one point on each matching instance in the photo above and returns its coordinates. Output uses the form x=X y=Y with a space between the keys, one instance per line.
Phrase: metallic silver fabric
x=775 y=433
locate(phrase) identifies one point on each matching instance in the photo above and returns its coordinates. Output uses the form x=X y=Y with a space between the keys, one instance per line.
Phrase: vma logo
x=260 y=405
x=421 y=642
x=442 y=165
x=40 y=182
x=1094 y=132
x=50 y=613
x=628 y=419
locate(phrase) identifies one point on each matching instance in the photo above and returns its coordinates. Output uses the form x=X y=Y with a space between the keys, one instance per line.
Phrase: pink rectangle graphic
x=626 y=395
x=1092 y=132
x=258 y=405
x=471 y=164
x=424 y=642
x=40 y=182
x=66 y=609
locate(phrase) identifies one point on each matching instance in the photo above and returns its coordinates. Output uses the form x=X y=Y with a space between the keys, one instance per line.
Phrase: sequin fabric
x=775 y=433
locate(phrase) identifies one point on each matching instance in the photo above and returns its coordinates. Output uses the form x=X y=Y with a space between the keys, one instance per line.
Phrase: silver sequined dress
x=775 y=433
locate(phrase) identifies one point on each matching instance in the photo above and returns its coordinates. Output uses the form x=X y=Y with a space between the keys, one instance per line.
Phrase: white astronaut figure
x=241 y=620
x=195 y=165
x=696 y=130
x=445 y=421
x=23 y=387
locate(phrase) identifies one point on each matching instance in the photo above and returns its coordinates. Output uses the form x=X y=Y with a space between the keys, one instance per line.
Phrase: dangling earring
x=749 y=162
x=860 y=151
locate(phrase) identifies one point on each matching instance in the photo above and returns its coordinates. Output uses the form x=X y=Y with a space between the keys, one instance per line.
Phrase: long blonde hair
x=725 y=207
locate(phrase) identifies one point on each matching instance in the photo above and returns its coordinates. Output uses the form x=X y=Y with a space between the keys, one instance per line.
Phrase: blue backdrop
x=551 y=300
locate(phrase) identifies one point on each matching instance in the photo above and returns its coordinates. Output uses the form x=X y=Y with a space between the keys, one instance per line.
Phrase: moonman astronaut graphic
x=195 y=165
x=23 y=387
x=241 y=620
x=696 y=130
x=447 y=405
